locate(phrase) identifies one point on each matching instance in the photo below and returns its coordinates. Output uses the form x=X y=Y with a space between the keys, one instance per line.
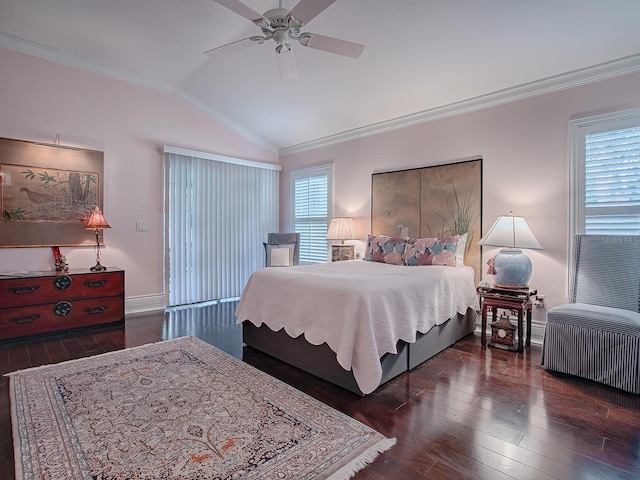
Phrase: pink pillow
x=432 y=251
x=385 y=249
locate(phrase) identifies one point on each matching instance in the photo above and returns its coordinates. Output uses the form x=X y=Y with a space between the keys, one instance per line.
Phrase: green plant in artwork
x=45 y=178
x=461 y=211
x=17 y=214
x=88 y=178
x=460 y=216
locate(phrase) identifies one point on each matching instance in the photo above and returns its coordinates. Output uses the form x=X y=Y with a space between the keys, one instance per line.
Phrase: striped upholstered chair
x=597 y=336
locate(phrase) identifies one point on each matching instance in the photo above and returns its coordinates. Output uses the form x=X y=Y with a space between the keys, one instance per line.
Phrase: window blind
x=612 y=182
x=311 y=212
x=219 y=212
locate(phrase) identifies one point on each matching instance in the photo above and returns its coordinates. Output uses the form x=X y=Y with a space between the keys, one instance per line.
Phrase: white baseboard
x=144 y=304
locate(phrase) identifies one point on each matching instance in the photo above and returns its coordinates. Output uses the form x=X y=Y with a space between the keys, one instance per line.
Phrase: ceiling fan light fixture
x=280 y=37
x=283 y=48
x=263 y=23
x=304 y=39
x=258 y=40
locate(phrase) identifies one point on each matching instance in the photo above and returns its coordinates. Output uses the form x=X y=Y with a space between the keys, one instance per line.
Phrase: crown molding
x=37 y=50
x=576 y=78
x=227 y=122
x=34 y=49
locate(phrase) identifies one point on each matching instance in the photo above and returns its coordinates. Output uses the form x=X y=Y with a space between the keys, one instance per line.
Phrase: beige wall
x=130 y=124
x=524 y=149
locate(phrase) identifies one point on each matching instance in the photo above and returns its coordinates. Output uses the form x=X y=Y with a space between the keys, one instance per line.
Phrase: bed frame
x=320 y=360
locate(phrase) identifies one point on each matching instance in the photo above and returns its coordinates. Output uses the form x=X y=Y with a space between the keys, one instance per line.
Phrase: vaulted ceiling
x=422 y=58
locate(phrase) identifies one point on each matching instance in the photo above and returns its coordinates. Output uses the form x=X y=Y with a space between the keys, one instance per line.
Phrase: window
x=605 y=174
x=219 y=210
x=311 y=197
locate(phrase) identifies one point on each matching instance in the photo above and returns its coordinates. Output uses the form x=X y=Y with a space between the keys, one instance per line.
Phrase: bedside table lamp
x=96 y=223
x=511 y=268
x=342 y=228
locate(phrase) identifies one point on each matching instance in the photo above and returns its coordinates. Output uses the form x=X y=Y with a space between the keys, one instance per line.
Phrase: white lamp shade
x=341 y=228
x=510 y=231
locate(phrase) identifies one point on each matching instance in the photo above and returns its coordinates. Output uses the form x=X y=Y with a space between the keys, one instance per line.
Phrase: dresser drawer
x=46 y=289
x=62 y=315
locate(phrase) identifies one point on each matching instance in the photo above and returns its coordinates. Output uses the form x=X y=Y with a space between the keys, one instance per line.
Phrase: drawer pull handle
x=62 y=282
x=22 y=290
x=95 y=283
x=62 y=309
x=27 y=319
x=95 y=310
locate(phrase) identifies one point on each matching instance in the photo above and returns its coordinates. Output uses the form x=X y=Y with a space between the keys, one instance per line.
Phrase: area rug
x=179 y=409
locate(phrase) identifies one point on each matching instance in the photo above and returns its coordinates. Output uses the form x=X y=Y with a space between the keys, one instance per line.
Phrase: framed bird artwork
x=47 y=193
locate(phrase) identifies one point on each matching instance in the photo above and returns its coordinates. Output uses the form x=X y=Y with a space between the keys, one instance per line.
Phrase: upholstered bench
x=598 y=336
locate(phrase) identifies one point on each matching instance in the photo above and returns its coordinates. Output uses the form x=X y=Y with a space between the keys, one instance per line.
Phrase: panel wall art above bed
x=435 y=201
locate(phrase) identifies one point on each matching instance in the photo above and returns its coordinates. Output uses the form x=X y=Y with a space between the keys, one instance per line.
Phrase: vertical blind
x=311 y=213
x=612 y=182
x=218 y=214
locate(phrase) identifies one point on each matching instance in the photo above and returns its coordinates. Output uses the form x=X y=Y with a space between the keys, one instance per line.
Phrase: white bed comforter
x=360 y=309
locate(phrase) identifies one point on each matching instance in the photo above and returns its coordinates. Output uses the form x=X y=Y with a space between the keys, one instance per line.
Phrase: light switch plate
x=141 y=226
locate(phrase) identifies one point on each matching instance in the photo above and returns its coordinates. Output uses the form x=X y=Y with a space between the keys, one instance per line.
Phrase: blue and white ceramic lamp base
x=512 y=269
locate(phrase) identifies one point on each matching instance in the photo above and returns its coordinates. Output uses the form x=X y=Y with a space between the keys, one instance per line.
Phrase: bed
x=357 y=324
x=360 y=323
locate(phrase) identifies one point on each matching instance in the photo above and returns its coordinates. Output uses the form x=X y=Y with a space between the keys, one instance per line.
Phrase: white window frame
x=310 y=172
x=578 y=130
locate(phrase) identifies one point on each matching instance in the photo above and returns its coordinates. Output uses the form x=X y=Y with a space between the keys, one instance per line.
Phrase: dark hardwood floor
x=470 y=412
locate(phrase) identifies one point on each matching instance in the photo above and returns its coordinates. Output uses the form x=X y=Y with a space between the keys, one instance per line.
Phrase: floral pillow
x=385 y=249
x=432 y=251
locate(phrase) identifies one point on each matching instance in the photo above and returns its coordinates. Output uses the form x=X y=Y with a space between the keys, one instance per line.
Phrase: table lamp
x=511 y=268
x=342 y=228
x=96 y=223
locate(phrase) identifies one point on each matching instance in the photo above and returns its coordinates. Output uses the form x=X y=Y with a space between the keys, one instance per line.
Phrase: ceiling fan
x=282 y=26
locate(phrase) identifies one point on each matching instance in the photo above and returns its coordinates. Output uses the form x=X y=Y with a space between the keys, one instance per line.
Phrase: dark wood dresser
x=43 y=302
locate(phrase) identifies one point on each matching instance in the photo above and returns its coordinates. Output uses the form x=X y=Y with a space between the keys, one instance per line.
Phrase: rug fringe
x=367 y=457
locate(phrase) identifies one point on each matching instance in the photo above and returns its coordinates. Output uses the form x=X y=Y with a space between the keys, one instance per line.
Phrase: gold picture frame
x=47 y=193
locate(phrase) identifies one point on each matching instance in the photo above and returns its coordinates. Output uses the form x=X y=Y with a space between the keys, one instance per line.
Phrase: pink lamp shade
x=96 y=223
x=96 y=220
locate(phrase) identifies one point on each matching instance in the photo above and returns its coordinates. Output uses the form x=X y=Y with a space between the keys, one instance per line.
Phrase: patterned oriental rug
x=179 y=409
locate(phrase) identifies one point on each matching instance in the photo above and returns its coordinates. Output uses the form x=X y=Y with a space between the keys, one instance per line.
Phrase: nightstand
x=515 y=301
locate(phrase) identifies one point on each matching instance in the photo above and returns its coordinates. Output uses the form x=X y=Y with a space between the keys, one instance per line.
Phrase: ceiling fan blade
x=307 y=10
x=287 y=65
x=241 y=9
x=332 y=45
x=231 y=47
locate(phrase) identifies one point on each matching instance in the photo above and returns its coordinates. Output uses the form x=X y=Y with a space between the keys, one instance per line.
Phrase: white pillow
x=460 y=249
x=280 y=255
